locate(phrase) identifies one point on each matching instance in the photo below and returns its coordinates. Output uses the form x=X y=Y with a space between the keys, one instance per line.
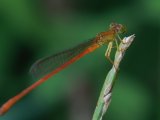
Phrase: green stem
x=105 y=94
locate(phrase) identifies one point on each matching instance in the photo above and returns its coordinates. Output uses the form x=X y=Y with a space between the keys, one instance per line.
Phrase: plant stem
x=106 y=92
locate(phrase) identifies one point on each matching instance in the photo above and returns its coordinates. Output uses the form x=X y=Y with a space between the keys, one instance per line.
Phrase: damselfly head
x=118 y=28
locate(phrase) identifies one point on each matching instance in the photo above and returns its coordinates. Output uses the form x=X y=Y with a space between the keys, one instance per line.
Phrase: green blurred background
x=31 y=29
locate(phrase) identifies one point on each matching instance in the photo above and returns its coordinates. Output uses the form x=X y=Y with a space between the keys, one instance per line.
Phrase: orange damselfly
x=49 y=66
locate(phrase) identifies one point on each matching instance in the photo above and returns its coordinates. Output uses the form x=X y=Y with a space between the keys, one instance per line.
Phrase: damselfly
x=51 y=65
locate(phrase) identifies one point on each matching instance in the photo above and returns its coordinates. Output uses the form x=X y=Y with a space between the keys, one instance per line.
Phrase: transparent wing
x=46 y=65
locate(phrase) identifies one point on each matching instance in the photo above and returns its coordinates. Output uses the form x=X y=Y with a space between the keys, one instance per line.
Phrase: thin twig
x=106 y=92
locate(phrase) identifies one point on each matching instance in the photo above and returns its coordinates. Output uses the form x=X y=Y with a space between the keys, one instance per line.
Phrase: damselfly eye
x=118 y=28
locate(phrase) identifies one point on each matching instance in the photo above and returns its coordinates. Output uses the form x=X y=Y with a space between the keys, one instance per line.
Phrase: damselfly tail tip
x=2 y=111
